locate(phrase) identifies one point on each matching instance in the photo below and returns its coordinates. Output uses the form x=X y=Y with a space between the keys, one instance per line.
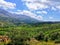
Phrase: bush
x=40 y=37
x=57 y=41
x=55 y=36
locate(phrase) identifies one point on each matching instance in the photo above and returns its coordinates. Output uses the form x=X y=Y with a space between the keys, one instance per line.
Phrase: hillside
x=41 y=33
x=24 y=30
x=15 y=18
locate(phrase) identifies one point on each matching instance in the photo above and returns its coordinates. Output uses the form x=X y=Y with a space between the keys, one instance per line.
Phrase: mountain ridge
x=14 y=18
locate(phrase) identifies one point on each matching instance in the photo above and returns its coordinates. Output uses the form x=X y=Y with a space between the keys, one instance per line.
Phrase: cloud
x=54 y=4
x=53 y=8
x=55 y=0
x=35 y=4
x=30 y=14
x=58 y=7
x=7 y=5
x=42 y=12
x=42 y=4
x=50 y=17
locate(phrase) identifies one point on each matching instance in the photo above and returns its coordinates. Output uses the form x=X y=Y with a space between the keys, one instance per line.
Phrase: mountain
x=14 y=18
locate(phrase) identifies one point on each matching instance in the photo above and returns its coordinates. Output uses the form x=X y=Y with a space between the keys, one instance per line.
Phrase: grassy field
x=39 y=34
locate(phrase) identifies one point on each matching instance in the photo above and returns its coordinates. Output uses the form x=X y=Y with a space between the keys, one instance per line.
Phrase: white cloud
x=30 y=14
x=41 y=4
x=7 y=5
x=42 y=12
x=53 y=8
x=58 y=7
x=35 y=4
x=50 y=17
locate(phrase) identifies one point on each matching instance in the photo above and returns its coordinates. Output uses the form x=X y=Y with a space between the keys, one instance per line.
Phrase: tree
x=18 y=37
x=55 y=35
x=40 y=37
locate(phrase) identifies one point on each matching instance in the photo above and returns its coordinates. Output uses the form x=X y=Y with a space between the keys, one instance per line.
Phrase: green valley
x=30 y=34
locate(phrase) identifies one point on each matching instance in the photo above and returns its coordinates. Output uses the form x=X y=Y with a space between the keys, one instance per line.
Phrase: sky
x=45 y=10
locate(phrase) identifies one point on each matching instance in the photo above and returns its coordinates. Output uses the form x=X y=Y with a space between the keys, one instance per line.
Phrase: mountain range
x=15 y=18
x=8 y=17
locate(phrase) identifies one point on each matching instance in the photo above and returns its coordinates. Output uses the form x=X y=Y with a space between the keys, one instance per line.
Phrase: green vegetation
x=31 y=34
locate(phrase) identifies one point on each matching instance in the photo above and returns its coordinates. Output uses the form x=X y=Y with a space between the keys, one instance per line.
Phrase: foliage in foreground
x=42 y=33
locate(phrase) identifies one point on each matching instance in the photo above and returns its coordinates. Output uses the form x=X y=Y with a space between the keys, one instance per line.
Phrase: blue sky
x=46 y=10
